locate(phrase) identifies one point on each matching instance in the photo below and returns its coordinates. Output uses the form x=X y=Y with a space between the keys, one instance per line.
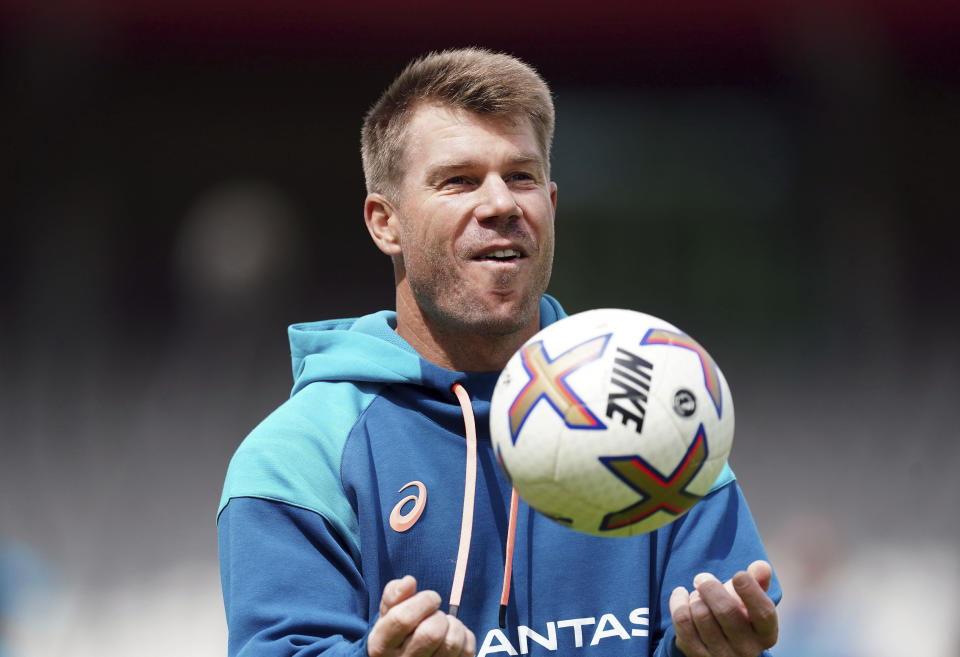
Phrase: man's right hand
x=412 y=625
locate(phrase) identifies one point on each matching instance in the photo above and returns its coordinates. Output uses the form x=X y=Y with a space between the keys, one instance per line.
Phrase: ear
x=381 y=218
x=553 y=195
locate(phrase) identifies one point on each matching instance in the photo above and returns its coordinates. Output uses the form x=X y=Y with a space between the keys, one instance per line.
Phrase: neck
x=457 y=348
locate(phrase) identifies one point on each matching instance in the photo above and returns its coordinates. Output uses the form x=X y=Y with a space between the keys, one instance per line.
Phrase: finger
x=729 y=588
x=708 y=595
x=470 y=644
x=427 y=637
x=725 y=614
x=455 y=642
x=761 y=611
x=687 y=638
x=401 y=621
x=762 y=572
x=721 y=598
x=396 y=591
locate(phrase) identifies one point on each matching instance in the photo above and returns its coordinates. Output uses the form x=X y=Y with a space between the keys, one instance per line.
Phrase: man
x=340 y=514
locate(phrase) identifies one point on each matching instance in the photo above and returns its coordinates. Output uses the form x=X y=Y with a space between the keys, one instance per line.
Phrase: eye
x=456 y=181
x=521 y=176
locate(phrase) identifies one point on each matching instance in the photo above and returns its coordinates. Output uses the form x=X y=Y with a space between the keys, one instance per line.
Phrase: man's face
x=475 y=219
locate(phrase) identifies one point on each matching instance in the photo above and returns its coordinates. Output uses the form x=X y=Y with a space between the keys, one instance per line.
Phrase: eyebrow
x=442 y=170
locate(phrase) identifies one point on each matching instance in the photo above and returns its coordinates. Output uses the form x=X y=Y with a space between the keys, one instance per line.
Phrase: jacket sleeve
x=718 y=536
x=290 y=587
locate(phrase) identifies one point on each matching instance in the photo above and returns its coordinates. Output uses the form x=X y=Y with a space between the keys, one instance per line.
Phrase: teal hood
x=368 y=350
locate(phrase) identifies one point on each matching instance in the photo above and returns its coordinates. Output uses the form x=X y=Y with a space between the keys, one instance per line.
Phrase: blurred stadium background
x=181 y=180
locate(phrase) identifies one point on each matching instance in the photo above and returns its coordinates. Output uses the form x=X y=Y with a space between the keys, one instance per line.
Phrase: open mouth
x=502 y=255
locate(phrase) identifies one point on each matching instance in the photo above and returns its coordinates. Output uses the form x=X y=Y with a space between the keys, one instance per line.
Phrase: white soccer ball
x=612 y=422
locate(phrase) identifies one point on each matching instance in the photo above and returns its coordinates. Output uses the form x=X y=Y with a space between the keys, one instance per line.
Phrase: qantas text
x=565 y=635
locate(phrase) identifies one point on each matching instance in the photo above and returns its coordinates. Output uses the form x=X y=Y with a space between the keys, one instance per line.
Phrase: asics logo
x=400 y=521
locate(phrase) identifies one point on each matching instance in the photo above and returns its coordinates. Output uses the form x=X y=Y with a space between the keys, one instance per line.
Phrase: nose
x=496 y=201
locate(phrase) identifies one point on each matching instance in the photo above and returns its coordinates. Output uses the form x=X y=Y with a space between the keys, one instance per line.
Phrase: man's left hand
x=734 y=619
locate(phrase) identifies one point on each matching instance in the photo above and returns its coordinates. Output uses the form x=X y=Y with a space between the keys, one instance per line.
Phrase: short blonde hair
x=473 y=79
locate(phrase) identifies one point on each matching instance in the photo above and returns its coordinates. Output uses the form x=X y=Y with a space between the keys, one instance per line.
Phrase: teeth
x=504 y=253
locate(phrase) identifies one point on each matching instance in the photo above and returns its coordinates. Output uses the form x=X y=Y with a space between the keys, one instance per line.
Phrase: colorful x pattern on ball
x=658 y=492
x=547 y=381
x=711 y=376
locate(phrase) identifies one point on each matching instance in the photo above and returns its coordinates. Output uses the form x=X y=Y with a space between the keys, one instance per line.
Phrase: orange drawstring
x=466 y=522
x=469 y=494
x=508 y=557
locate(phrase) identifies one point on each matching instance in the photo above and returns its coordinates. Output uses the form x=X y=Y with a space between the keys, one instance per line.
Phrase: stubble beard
x=447 y=303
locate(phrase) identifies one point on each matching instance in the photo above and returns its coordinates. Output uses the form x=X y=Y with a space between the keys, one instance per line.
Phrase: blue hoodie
x=306 y=542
